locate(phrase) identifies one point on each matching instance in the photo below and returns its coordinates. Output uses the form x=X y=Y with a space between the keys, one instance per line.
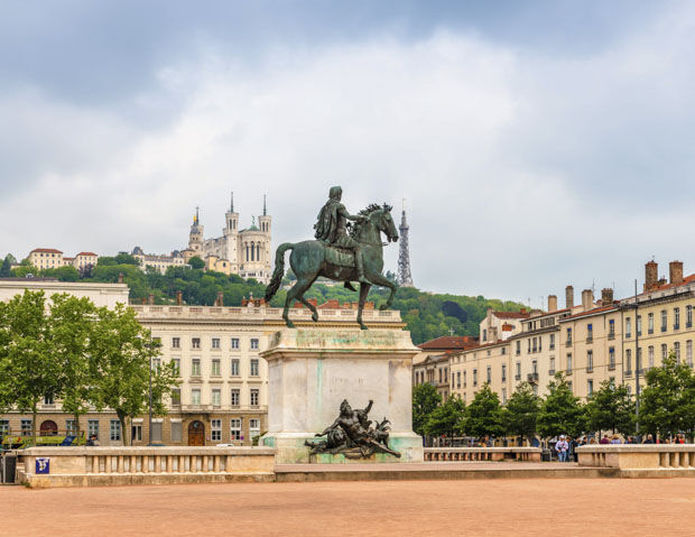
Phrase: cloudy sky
x=536 y=143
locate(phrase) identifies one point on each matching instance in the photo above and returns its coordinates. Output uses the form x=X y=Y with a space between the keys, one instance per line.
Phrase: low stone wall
x=483 y=454
x=642 y=460
x=98 y=466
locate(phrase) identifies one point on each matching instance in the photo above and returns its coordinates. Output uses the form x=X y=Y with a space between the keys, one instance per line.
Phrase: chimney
x=587 y=299
x=220 y=299
x=606 y=296
x=569 y=296
x=675 y=272
x=150 y=299
x=651 y=275
x=120 y=277
x=552 y=302
x=179 y=298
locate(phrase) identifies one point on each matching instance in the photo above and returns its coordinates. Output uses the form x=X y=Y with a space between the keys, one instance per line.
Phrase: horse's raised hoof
x=384 y=307
x=289 y=323
x=315 y=317
x=363 y=326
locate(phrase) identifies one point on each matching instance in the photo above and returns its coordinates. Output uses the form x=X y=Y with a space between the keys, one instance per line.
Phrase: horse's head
x=385 y=223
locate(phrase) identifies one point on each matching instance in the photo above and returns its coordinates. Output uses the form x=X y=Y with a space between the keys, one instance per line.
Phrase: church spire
x=265 y=208
x=196 y=219
x=231 y=206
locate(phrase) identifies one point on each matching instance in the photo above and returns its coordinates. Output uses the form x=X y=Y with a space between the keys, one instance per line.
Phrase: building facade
x=159 y=262
x=45 y=258
x=245 y=252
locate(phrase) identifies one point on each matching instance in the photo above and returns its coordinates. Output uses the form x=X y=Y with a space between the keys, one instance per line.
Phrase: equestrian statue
x=342 y=251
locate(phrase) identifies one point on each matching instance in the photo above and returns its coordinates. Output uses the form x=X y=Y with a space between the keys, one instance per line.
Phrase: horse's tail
x=279 y=271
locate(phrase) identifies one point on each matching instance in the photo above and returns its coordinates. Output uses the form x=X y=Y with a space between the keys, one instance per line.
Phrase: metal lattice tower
x=405 y=279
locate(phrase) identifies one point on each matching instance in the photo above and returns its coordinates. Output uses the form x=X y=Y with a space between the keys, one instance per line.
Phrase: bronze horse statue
x=313 y=258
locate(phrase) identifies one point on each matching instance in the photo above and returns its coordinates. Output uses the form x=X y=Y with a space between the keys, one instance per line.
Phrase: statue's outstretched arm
x=343 y=212
x=336 y=423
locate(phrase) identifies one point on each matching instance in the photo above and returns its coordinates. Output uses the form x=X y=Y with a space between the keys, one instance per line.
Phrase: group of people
x=565 y=445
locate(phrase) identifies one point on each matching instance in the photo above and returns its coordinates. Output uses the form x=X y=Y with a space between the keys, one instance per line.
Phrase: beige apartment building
x=45 y=258
x=223 y=392
x=159 y=262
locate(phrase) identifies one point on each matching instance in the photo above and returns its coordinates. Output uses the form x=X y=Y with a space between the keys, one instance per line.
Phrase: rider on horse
x=331 y=228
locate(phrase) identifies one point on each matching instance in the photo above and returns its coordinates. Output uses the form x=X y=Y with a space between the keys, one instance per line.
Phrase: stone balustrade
x=443 y=454
x=641 y=459
x=89 y=466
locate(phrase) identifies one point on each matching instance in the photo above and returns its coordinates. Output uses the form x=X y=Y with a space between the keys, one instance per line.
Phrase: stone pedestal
x=311 y=371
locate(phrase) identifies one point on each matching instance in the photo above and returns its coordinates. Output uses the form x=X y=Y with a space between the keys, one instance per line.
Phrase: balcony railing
x=532 y=377
x=568 y=343
x=590 y=339
x=611 y=335
x=590 y=369
x=517 y=377
x=551 y=372
x=611 y=367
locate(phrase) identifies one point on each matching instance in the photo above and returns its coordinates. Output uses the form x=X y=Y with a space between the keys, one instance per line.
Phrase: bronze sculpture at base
x=352 y=435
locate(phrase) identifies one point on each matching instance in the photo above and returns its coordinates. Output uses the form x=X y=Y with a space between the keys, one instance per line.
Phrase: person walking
x=561 y=447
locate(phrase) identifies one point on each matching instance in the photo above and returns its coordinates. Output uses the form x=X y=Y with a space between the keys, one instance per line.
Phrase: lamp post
x=149 y=426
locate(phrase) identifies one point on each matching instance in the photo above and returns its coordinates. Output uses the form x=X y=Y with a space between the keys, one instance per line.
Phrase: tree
x=520 y=414
x=72 y=324
x=445 y=419
x=26 y=356
x=6 y=269
x=611 y=408
x=122 y=354
x=561 y=412
x=425 y=400
x=484 y=415
x=196 y=262
x=666 y=405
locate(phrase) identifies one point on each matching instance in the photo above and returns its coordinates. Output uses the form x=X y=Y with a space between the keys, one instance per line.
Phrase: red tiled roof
x=686 y=280
x=449 y=343
x=591 y=312
x=511 y=314
x=86 y=253
x=46 y=250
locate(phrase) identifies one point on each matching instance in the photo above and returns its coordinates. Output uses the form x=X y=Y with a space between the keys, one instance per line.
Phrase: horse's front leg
x=383 y=281
x=364 y=291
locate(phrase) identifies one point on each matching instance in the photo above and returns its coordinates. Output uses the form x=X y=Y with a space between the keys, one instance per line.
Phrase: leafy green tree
x=445 y=419
x=67 y=273
x=484 y=414
x=666 y=405
x=120 y=259
x=561 y=412
x=26 y=356
x=72 y=323
x=611 y=408
x=196 y=262
x=122 y=353
x=425 y=401
x=520 y=414
x=6 y=269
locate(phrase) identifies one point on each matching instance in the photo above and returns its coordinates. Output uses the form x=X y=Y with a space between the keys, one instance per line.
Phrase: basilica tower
x=195 y=237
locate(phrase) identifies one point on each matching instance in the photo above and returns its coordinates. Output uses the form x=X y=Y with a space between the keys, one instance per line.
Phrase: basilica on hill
x=245 y=252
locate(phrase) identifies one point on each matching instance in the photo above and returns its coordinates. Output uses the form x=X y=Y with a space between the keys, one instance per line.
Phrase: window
x=689 y=352
x=440 y=375
x=216 y=367
x=664 y=351
x=650 y=356
x=504 y=350
x=93 y=428
x=611 y=329
x=176 y=431
x=517 y=376
x=216 y=397
x=504 y=373
x=589 y=332
x=177 y=366
x=589 y=386
x=628 y=327
x=518 y=347
x=551 y=371
x=552 y=341
x=70 y=427
x=484 y=334
x=677 y=350
x=176 y=343
x=650 y=323
x=611 y=358
x=216 y=430
x=254 y=397
x=534 y=367
x=540 y=343
x=195 y=396
x=4 y=428
x=215 y=343
x=26 y=427
x=688 y=316
x=638 y=361
x=569 y=363
x=156 y=364
x=235 y=343
x=195 y=342
x=489 y=375
x=504 y=395
x=639 y=325
x=569 y=336
x=254 y=428
x=676 y=318
x=156 y=430
x=628 y=362
x=115 y=429
x=464 y=379
x=236 y=396
x=195 y=367
x=235 y=367
x=589 y=361
x=664 y=320
x=475 y=377
x=235 y=428
x=458 y=379
x=176 y=396
x=48 y=400
x=254 y=343
x=254 y=367
x=136 y=432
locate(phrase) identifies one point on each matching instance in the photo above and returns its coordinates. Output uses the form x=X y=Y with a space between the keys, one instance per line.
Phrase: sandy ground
x=566 y=507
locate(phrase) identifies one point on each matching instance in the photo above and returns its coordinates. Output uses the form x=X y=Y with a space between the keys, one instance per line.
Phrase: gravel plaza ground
x=523 y=507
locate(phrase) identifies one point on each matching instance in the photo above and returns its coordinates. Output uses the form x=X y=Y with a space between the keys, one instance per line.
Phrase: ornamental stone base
x=312 y=370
